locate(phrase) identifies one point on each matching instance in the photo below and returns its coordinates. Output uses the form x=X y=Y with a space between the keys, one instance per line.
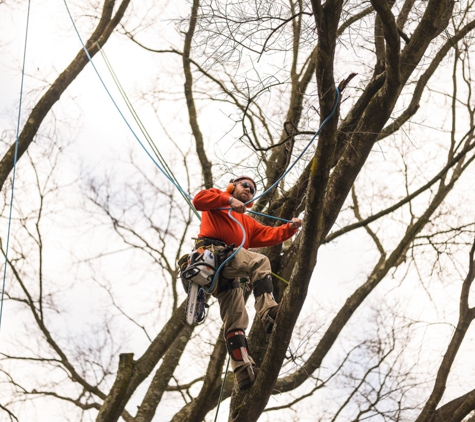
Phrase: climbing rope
x=269 y=216
x=143 y=129
x=167 y=173
x=120 y=111
x=221 y=390
x=337 y=99
x=14 y=162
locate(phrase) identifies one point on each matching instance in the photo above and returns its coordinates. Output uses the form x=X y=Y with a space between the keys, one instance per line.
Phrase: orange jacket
x=218 y=225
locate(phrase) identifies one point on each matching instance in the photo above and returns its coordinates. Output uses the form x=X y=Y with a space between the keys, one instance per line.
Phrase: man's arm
x=260 y=235
x=211 y=199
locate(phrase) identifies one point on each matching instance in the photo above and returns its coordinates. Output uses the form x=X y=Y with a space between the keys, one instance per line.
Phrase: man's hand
x=296 y=223
x=238 y=206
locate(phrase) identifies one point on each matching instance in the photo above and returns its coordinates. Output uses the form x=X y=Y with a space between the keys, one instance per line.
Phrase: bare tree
x=395 y=158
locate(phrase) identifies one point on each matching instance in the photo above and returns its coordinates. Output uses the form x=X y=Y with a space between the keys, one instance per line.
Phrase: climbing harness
x=197 y=272
x=194 y=289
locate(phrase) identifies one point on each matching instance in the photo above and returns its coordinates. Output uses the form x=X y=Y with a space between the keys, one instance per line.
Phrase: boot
x=245 y=376
x=237 y=346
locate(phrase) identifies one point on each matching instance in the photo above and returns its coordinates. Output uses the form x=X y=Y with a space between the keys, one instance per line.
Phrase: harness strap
x=264 y=285
x=221 y=252
x=231 y=284
x=202 y=242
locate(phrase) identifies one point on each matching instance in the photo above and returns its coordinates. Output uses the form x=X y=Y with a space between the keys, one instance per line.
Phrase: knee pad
x=264 y=285
x=237 y=346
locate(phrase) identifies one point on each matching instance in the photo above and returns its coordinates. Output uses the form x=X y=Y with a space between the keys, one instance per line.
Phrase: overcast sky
x=101 y=142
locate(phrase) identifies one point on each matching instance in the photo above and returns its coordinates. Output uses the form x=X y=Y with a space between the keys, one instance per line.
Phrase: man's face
x=242 y=190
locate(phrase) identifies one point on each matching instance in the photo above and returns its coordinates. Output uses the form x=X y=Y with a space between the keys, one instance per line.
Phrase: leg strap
x=226 y=284
x=237 y=346
x=264 y=285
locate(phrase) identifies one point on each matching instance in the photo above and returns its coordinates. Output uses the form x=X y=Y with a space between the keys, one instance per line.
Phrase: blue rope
x=293 y=164
x=258 y=213
x=337 y=99
x=269 y=216
x=142 y=128
x=158 y=165
x=14 y=162
x=221 y=390
x=118 y=109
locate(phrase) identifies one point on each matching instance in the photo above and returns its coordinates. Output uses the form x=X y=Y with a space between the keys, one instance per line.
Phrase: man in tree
x=218 y=229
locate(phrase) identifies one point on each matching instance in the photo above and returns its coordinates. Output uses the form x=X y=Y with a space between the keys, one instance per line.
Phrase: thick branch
x=116 y=400
x=456 y=410
x=190 y=102
x=391 y=36
x=145 y=365
x=148 y=407
x=99 y=37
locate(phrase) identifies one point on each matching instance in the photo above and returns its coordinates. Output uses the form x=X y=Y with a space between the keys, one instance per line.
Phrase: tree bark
x=116 y=399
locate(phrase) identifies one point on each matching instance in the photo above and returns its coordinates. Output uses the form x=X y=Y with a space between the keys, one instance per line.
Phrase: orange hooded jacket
x=218 y=225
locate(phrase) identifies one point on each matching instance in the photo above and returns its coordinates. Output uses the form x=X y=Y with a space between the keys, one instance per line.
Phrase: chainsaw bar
x=191 y=303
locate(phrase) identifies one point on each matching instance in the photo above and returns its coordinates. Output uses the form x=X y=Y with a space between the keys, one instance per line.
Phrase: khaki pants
x=231 y=303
